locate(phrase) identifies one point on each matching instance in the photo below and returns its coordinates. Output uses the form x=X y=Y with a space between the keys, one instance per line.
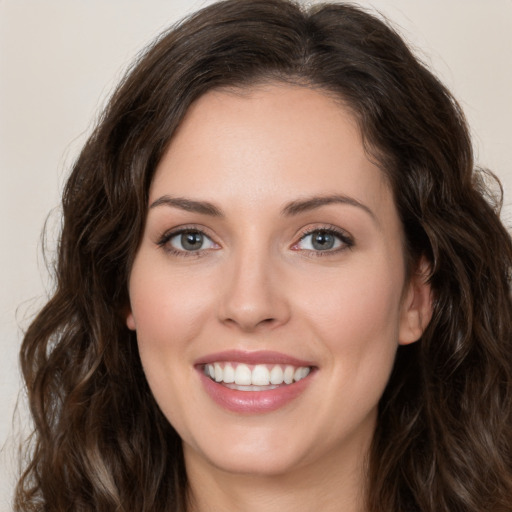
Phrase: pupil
x=191 y=241
x=323 y=241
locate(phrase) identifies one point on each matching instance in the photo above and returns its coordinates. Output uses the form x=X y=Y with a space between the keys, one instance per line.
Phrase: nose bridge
x=252 y=297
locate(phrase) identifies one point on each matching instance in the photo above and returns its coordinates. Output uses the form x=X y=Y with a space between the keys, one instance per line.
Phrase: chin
x=256 y=455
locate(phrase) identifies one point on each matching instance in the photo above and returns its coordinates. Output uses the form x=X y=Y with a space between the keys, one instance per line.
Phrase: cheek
x=357 y=323
x=362 y=298
x=168 y=315
x=168 y=310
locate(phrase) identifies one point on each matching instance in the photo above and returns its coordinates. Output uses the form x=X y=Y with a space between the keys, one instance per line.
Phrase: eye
x=324 y=240
x=187 y=240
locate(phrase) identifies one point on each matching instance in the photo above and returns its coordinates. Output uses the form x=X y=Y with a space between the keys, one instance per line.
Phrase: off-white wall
x=59 y=60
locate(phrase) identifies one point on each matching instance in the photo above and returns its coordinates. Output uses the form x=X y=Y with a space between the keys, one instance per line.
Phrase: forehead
x=263 y=141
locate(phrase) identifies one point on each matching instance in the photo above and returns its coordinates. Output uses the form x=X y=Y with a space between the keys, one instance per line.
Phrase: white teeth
x=229 y=374
x=243 y=375
x=249 y=388
x=300 y=373
x=240 y=376
x=260 y=375
x=276 y=375
x=218 y=372
x=289 y=372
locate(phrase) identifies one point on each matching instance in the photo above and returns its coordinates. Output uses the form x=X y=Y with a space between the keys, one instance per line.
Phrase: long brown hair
x=444 y=433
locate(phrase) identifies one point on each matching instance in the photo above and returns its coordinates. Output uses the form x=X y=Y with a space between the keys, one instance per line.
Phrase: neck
x=337 y=485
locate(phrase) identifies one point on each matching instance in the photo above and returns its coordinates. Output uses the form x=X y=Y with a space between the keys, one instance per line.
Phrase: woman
x=280 y=284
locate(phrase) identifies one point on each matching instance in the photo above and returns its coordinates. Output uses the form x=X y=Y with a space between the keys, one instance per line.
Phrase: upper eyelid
x=343 y=234
x=187 y=227
x=164 y=242
x=165 y=237
x=346 y=239
x=325 y=227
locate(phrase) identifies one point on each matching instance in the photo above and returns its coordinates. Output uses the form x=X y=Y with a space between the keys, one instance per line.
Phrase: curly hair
x=444 y=431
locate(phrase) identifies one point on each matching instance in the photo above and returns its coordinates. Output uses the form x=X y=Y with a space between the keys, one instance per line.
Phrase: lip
x=256 y=357
x=253 y=402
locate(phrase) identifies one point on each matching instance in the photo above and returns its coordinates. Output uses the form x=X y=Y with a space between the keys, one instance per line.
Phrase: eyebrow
x=308 y=204
x=294 y=208
x=189 y=205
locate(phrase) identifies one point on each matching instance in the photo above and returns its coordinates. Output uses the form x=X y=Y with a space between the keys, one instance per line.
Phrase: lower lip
x=253 y=402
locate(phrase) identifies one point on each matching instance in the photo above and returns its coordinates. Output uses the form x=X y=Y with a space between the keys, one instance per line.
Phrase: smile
x=277 y=380
x=259 y=377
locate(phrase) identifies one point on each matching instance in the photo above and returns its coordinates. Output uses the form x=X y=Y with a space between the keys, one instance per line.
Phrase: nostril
x=249 y=324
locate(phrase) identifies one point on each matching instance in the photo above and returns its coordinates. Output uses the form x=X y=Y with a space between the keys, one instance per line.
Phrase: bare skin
x=269 y=231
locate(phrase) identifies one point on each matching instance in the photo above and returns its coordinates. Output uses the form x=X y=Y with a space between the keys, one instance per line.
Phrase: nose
x=253 y=295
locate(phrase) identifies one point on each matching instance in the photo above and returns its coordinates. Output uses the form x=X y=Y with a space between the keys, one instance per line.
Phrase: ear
x=129 y=318
x=416 y=305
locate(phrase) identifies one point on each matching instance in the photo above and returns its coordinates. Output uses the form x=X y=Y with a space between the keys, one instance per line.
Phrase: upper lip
x=253 y=358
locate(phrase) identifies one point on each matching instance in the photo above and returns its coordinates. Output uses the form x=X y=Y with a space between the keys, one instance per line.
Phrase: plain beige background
x=59 y=60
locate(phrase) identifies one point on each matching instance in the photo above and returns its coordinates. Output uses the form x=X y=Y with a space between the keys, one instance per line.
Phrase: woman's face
x=272 y=259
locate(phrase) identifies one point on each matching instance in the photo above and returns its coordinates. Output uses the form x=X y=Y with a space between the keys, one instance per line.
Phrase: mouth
x=254 y=382
x=258 y=377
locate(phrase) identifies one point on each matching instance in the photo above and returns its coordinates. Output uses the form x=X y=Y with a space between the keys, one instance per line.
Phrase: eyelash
x=164 y=240
x=346 y=240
